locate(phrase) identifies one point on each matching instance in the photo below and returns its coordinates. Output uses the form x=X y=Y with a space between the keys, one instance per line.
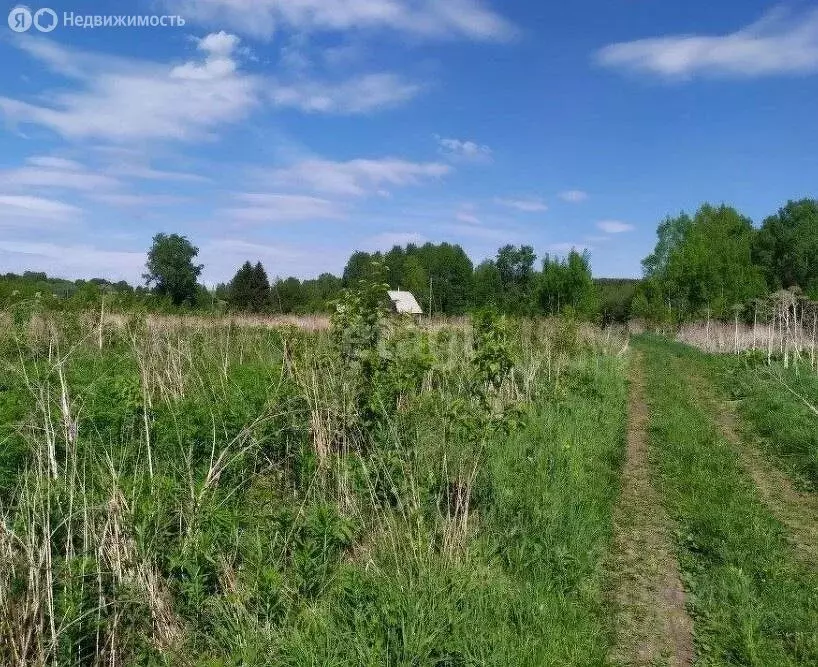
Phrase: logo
x=21 y=19
x=45 y=19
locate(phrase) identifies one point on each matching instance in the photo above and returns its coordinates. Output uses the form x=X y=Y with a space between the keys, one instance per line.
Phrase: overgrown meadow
x=382 y=492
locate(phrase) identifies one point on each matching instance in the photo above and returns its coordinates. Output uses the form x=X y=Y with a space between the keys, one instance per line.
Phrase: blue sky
x=295 y=131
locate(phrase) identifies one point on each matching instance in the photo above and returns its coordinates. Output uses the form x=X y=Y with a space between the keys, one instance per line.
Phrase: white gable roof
x=405 y=303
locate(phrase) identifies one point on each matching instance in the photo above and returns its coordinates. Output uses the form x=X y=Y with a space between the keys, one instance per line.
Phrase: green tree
x=359 y=267
x=289 y=296
x=415 y=278
x=488 y=285
x=567 y=283
x=516 y=268
x=259 y=290
x=580 y=290
x=649 y=304
x=616 y=296
x=786 y=247
x=671 y=233
x=394 y=261
x=320 y=292
x=170 y=268
x=239 y=291
x=250 y=289
x=704 y=263
x=451 y=273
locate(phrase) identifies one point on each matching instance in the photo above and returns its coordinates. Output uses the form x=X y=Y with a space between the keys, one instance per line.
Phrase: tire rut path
x=652 y=623
x=796 y=510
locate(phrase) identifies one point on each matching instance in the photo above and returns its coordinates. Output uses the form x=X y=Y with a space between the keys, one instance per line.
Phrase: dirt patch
x=796 y=510
x=652 y=624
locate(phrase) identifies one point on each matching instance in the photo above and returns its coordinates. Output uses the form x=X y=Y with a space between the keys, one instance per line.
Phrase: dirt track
x=652 y=624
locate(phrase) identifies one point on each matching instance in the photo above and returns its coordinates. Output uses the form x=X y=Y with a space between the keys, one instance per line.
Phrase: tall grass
x=222 y=494
x=778 y=406
x=753 y=602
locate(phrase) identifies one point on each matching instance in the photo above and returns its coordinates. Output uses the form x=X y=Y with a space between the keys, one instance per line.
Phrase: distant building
x=404 y=303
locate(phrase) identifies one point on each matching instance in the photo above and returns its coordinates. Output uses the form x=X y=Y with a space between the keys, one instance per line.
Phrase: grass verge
x=752 y=602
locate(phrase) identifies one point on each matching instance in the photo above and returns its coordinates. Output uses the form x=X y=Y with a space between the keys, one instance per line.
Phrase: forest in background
x=713 y=264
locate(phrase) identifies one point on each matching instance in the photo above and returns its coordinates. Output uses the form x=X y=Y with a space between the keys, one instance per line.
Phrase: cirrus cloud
x=20 y=209
x=253 y=207
x=530 y=205
x=357 y=95
x=614 y=226
x=357 y=177
x=573 y=196
x=779 y=43
x=470 y=19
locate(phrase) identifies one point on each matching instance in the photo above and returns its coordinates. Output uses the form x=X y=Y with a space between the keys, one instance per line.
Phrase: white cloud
x=129 y=101
x=219 y=44
x=223 y=256
x=574 y=196
x=150 y=174
x=51 y=162
x=73 y=261
x=468 y=217
x=427 y=18
x=46 y=173
x=779 y=43
x=464 y=151
x=264 y=207
x=242 y=247
x=136 y=163
x=485 y=233
x=20 y=209
x=387 y=240
x=123 y=100
x=614 y=226
x=139 y=200
x=357 y=95
x=534 y=205
x=357 y=177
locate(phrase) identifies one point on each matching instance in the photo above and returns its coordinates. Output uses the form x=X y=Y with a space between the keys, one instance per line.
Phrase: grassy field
x=752 y=601
x=779 y=407
x=239 y=495
x=375 y=492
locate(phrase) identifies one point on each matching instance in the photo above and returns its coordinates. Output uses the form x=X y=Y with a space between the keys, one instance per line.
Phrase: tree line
x=441 y=276
x=717 y=264
x=714 y=263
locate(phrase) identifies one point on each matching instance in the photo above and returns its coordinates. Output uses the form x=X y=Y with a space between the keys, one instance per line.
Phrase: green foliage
x=705 y=264
x=671 y=235
x=515 y=266
x=786 y=247
x=567 y=283
x=171 y=270
x=702 y=264
x=776 y=418
x=221 y=512
x=650 y=306
x=446 y=266
x=492 y=361
x=358 y=323
x=488 y=285
x=250 y=289
x=616 y=296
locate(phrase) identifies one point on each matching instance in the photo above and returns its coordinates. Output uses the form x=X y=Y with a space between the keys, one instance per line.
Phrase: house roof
x=405 y=303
